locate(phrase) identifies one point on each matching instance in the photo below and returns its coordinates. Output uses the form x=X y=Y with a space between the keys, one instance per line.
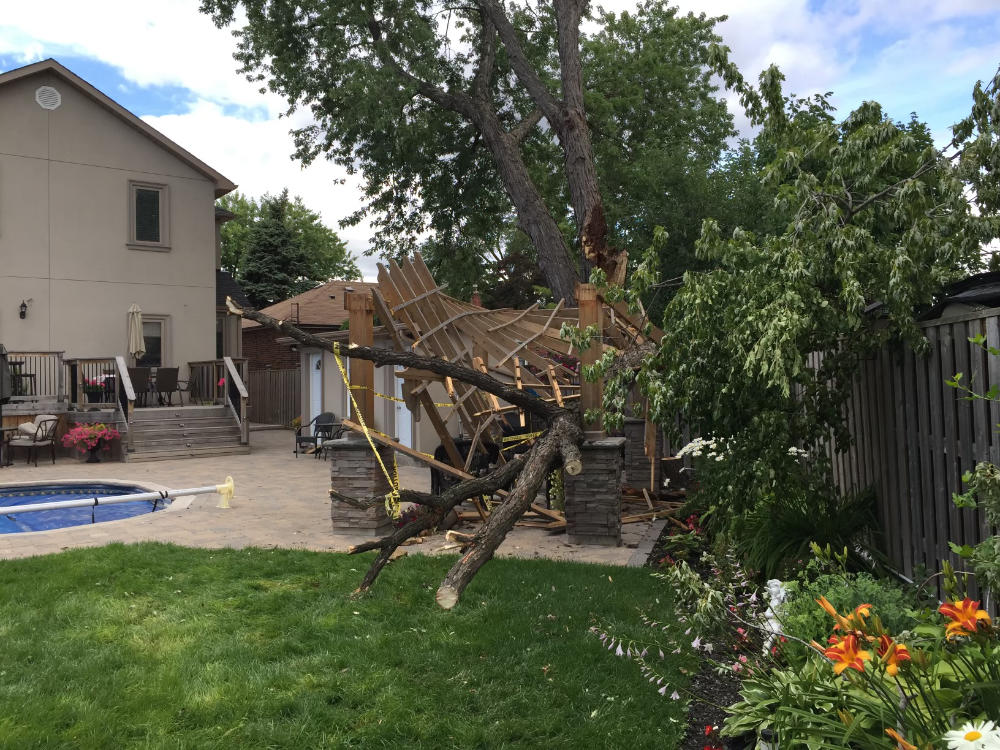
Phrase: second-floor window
x=149 y=208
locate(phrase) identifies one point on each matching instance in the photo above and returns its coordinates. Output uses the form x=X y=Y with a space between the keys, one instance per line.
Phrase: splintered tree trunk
x=563 y=430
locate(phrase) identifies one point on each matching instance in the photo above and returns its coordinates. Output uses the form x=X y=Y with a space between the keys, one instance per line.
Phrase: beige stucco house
x=98 y=211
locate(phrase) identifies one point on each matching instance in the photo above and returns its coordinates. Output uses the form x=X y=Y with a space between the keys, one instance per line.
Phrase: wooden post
x=361 y=314
x=591 y=394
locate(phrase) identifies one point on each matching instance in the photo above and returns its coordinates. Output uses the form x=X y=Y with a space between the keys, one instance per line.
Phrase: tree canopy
x=465 y=121
x=316 y=254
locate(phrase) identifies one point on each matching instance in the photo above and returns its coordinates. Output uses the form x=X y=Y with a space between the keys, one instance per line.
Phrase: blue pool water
x=11 y=523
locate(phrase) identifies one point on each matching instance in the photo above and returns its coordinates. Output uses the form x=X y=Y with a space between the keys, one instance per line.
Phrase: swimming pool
x=12 y=496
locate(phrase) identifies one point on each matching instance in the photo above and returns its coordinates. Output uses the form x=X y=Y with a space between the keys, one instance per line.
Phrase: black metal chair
x=324 y=426
x=42 y=434
x=167 y=383
x=140 y=377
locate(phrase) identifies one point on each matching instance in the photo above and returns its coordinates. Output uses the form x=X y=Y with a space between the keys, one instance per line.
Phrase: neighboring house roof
x=322 y=306
x=227 y=286
x=222 y=215
x=978 y=291
x=222 y=184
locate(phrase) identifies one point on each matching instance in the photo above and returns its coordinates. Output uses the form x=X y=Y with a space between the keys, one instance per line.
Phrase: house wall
x=64 y=227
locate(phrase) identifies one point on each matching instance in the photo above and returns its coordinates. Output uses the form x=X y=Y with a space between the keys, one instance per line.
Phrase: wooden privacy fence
x=914 y=437
x=274 y=395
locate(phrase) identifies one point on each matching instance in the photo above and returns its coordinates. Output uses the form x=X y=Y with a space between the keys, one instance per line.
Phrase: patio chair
x=167 y=382
x=325 y=426
x=37 y=434
x=140 y=377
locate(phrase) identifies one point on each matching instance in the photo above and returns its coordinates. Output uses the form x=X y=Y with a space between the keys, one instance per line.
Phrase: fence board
x=275 y=395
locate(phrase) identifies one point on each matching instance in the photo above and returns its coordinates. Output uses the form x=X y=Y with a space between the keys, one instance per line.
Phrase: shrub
x=802 y=619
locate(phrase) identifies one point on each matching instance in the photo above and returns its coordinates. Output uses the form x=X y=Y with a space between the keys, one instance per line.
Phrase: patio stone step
x=160 y=433
x=182 y=440
x=165 y=455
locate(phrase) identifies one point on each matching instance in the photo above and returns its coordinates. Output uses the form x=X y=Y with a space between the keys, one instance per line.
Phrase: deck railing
x=37 y=376
x=237 y=397
x=207 y=381
x=93 y=381
x=125 y=394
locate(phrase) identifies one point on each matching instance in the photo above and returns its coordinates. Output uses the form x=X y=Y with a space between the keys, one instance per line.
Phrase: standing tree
x=274 y=262
x=324 y=255
x=387 y=83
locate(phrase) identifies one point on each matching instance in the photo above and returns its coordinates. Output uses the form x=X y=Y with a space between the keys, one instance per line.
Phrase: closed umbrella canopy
x=136 y=343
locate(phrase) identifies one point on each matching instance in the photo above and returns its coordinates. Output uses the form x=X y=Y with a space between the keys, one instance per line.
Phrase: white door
x=315 y=385
x=404 y=419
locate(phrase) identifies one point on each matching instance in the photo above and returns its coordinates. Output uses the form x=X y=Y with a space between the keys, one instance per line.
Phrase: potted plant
x=90 y=438
x=94 y=388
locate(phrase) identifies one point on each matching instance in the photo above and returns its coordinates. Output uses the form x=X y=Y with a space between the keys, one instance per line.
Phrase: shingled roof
x=319 y=307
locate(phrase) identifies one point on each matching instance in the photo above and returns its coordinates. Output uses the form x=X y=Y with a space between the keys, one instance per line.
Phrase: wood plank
x=949 y=403
x=924 y=441
x=940 y=459
x=905 y=387
x=964 y=434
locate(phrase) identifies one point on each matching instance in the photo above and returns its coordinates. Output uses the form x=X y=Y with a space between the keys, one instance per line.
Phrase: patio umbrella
x=136 y=343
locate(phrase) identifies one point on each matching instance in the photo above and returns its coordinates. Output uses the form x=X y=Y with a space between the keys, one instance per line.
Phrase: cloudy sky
x=169 y=65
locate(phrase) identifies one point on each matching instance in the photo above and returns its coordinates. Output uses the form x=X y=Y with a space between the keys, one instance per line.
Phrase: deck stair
x=184 y=431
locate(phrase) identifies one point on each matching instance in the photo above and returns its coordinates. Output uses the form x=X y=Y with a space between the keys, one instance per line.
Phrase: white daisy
x=975 y=735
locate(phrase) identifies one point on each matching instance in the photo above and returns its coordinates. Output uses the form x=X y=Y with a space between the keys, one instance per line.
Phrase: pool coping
x=178 y=504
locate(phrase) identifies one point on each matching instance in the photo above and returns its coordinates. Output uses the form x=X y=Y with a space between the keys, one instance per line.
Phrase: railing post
x=361 y=316
x=591 y=394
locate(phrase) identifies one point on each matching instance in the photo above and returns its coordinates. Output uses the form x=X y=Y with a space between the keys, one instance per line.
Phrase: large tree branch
x=521 y=131
x=456 y=101
x=523 y=69
x=483 y=78
x=564 y=430
x=382 y=357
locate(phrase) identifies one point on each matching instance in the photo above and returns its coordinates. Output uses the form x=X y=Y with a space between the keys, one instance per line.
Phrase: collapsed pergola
x=501 y=369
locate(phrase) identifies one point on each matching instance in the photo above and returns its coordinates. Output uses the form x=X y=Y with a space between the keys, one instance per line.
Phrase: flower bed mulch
x=717 y=691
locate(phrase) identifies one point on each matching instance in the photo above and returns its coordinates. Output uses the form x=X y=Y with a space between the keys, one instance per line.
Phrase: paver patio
x=280 y=501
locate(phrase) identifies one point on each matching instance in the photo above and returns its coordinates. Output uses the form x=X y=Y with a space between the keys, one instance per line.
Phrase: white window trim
x=166 y=355
x=164 y=244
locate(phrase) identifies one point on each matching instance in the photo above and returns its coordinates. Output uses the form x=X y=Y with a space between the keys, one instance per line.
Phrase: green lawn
x=154 y=645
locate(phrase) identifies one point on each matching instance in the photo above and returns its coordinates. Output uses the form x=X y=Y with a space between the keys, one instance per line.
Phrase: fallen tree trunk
x=564 y=428
x=526 y=473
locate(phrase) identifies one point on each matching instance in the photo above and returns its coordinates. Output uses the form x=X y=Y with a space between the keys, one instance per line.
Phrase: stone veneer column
x=594 y=496
x=355 y=472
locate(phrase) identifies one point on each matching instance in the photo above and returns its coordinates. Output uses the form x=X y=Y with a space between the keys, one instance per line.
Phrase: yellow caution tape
x=523 y=438
x=392 y=498
x=394 y=398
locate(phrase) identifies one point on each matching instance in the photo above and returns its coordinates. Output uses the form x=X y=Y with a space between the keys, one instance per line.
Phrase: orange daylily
x=901 y=744
x=965 y=616
x=847 y=654
x=848 y=623
x=892 y=653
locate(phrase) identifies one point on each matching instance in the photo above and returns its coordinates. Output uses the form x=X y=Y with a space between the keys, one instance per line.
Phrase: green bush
x=801 y=618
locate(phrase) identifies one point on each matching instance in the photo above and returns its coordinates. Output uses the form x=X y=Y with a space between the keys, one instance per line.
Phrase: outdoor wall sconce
x=24 y=309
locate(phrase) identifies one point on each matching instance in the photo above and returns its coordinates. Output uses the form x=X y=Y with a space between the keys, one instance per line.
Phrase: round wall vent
x=47 y=97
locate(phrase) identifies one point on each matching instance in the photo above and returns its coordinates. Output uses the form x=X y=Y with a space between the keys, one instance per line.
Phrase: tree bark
x=533 y=215
x=563 y=430
x=574 y=136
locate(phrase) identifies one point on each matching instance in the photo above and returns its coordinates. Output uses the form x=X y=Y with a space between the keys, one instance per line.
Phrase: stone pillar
x=637 y=468
x=355 y=472
x=594 y=496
